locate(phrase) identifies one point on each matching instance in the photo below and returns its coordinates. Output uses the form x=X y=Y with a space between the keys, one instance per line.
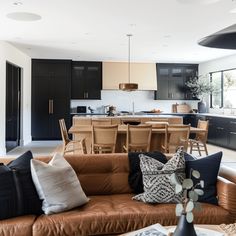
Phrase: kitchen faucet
x=132 y=108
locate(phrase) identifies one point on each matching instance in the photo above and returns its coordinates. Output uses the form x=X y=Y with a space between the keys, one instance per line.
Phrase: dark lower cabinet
x=219 y=131
x=51 y=86
x=232 y=134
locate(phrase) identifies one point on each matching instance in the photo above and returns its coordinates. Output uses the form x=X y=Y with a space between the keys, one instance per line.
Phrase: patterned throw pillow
x=156 y=179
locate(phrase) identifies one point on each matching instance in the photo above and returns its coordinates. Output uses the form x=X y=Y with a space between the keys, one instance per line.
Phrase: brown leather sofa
x=104 y=178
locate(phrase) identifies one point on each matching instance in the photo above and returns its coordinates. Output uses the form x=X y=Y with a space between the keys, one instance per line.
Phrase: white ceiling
x=163 y=30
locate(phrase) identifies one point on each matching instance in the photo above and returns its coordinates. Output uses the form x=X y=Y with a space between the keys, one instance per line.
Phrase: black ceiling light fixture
x=225 y=39
x=128 y=86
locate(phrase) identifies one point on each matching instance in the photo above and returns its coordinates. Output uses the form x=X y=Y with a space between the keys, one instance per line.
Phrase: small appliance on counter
x=81 y=109
x=111 y=111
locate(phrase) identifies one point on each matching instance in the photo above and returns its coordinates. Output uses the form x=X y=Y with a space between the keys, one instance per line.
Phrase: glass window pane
x=229 y=94
x=216 y=95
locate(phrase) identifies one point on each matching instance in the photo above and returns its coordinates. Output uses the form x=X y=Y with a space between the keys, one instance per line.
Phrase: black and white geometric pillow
x=156 y=178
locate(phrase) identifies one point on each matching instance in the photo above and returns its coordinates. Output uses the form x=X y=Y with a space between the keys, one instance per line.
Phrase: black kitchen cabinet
x=218 y=131
x=86 y=80
x=232 y=134
x=51 y=92
x=171 y=79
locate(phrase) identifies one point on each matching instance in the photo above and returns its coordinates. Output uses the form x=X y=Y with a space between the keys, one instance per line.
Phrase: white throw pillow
x=57 y=185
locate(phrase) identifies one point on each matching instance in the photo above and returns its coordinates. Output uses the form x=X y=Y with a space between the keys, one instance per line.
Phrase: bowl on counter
x=131 y=122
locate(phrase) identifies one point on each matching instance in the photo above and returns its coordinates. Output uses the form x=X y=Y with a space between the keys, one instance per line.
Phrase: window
x=225 y=84
x=216 y=97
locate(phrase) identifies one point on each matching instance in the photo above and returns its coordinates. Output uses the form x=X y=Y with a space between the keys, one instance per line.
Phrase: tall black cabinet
x=51 y=92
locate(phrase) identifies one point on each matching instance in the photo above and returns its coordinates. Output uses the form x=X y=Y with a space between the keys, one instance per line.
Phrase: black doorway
x=13 y=104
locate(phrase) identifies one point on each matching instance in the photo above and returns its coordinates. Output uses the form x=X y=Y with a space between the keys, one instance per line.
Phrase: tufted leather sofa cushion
x=116 y=214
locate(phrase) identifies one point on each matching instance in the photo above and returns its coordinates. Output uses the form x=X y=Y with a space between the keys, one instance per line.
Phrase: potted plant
x=200 y=87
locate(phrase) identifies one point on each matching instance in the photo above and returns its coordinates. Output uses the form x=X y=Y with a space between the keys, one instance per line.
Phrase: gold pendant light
x=128 y=86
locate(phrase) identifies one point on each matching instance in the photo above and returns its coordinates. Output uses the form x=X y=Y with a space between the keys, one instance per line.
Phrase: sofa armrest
x=226 y=192
x=228 y=173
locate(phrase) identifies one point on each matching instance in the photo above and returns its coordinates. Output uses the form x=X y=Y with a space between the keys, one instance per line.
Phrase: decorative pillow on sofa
x=208 y=168
x=156 y=178
x=18 y=195
x=135 y=174
x=57 y=185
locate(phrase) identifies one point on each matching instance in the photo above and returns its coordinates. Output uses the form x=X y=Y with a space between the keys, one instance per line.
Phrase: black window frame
x=222 y=86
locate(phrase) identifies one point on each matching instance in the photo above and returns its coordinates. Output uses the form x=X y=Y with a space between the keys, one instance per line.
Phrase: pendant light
x=225 y=39
x=128 y=86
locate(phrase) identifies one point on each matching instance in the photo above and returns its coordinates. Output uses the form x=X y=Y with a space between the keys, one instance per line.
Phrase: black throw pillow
x=18 y=195
x=135 y=174
x=189 y=157
x=208 y=167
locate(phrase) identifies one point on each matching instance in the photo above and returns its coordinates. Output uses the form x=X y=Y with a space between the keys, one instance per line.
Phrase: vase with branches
x=200 y=86
x=191 y=190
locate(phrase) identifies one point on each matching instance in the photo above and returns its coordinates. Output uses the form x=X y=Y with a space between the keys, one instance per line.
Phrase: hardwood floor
x=41 y=148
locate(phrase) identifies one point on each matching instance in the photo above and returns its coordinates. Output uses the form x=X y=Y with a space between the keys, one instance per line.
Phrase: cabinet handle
x=85 y=94
x=49 y=106
x=234 y=133
x=233 y=122
x=52 y=107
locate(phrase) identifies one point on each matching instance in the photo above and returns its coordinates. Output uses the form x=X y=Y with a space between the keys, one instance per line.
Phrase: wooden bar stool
x=69 y=145
x=138 y=138
x=104 y=138
x=199 y=142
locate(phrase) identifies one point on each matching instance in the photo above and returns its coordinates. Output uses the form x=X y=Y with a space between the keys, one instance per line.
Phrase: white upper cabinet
x=114 y=73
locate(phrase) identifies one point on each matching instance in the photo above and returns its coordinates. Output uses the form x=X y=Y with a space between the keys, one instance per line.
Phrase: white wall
x=223 y=63
x=13 y=55
x=143 y=101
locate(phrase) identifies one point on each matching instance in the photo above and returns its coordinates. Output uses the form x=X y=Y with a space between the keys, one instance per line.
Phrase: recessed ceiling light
x=24 y=16
x=167 y=36
x=17 y=3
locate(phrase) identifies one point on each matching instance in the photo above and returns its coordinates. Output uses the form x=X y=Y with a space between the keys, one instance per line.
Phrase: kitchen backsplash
x=125 y=101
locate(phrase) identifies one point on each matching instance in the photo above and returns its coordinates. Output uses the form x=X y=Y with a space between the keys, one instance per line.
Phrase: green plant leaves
x=196 y=174
x=193 y=195
x=178 y=188
x=189 y=217
x=189 y=206
x=179 y=209
x=187 y=184
x=198 y=191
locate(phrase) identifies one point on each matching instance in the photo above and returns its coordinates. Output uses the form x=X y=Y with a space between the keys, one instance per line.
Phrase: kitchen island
x=82 y=128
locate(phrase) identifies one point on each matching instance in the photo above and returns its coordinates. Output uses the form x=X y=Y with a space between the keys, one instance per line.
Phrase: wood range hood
x=116 y=73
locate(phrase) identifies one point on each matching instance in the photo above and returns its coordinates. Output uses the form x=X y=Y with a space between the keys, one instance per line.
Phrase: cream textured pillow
x=57 y=185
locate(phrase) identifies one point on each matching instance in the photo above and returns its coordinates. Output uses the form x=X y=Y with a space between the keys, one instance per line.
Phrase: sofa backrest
x=102 y=173
x=98 y=173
